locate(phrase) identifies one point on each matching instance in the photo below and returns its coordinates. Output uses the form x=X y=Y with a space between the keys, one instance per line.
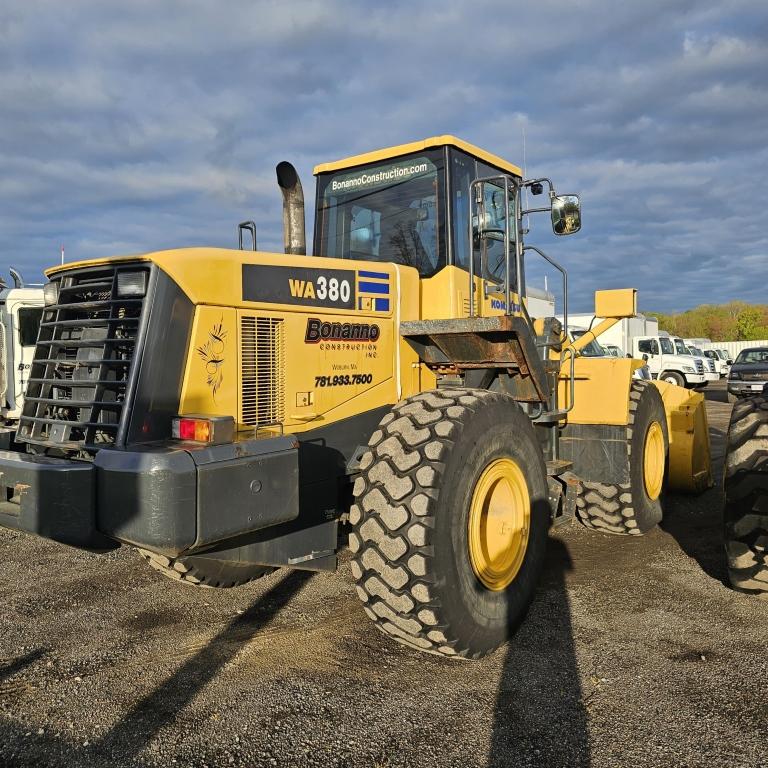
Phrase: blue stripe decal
x=382 y=305
x=364 y=287
x=377 y=275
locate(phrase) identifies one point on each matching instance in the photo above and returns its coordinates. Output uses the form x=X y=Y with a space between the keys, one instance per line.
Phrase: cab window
x=488 y=251
x=29 y=324
x=387 y=212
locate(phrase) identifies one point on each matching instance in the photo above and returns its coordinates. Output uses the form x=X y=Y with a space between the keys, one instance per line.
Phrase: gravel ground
x=634 y=654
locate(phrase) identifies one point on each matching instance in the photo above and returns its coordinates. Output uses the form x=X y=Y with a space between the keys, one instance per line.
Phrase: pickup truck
x=749 y=373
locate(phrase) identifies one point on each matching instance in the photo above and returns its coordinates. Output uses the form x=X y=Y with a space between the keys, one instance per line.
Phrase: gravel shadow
x=124 y=743
x=540 y=715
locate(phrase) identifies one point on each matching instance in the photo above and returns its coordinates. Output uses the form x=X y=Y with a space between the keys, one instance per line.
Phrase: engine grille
x=262 y=352
x=711 y=365
x=699 y=365
x=82 y=365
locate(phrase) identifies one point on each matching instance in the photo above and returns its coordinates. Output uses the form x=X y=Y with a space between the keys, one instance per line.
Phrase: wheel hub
x=653 y=461
x=499 y=524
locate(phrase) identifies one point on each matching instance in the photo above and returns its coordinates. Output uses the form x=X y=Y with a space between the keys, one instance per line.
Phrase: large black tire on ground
x=626 y=509
x=410 y=540
x=746 y=496
x=202 y=571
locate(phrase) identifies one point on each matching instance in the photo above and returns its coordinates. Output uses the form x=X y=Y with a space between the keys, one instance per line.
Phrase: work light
x=131 y=284
x=51 y=293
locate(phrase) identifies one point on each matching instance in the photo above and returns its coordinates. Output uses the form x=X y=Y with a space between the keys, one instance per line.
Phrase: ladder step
x=551 y=417
x=558 y=467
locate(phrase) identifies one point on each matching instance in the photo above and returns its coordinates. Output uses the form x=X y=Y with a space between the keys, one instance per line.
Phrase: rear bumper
x=166 y=498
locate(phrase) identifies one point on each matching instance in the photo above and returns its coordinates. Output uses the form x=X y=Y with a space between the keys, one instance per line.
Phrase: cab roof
x=419 y=146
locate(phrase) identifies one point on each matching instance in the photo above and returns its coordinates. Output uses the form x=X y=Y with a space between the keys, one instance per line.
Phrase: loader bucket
x=690 y=465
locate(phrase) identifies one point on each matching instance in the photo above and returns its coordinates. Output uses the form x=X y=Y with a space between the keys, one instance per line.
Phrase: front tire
x=671 y=377
x=633 y=508
x=450 y=521
x=746 y=496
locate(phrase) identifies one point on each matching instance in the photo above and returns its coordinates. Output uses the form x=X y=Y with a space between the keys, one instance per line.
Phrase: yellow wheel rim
x=499 y=524
x=653 y=461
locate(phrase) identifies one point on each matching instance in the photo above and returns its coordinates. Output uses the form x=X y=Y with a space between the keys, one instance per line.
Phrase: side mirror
x=645 y=358
x=566 y=214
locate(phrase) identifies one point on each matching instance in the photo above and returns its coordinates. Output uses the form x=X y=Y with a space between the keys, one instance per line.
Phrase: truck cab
x=722 y=366
x=666 y=363
x=710 y=372
x=21 y=309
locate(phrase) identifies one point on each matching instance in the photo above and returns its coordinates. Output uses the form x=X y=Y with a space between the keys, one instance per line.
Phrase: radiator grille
x=699 y=365
x=82 y=364
x=262 y=352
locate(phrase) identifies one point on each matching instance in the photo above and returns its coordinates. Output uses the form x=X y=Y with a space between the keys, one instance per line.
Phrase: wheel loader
x=228 y=411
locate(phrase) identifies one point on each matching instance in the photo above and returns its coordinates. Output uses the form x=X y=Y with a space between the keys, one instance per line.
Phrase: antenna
x=62 y=254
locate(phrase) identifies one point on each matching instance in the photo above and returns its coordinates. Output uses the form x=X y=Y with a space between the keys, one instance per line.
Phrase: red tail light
x=213 y=430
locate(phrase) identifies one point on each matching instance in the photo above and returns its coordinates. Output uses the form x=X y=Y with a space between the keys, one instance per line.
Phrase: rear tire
x=201 y=571
x=671 y=377
x=627 y=509
x=746 y=496
x=415 y=502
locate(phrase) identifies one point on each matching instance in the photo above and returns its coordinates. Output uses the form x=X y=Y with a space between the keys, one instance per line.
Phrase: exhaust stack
x=18 y=280
x=293 y=209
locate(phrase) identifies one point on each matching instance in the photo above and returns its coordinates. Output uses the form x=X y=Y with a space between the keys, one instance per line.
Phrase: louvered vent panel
x=262 y=351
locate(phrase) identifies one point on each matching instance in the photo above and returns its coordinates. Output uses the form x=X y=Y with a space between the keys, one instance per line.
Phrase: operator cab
x=412 y=205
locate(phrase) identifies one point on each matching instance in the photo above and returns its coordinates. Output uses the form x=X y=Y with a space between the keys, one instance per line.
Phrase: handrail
x=571 y=378
x=563 y=272
x=479 y=202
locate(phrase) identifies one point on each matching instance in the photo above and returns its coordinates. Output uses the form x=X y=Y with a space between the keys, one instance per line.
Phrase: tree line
x=735 y=321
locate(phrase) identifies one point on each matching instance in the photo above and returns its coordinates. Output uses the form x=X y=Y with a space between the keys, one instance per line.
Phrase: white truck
x=710 y=369
x=723 y=360
x=719 y=360
x=666 y=363
x=21 y=309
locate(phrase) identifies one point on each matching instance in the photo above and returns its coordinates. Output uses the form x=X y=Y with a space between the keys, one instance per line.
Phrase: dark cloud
x=149 y=125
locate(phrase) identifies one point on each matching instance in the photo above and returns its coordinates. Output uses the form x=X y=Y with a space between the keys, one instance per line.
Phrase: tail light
x=213 y=430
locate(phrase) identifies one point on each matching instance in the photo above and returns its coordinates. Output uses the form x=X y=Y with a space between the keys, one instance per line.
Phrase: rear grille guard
x=83 y=366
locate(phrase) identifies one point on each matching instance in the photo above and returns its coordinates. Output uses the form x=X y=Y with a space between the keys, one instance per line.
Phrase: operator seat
x=401 y=242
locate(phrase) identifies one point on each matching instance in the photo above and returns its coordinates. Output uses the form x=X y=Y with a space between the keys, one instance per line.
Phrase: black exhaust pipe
x=18 y=280
x=293 y=209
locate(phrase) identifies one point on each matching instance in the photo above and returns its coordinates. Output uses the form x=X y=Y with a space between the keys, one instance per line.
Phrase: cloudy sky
x=136 y=126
